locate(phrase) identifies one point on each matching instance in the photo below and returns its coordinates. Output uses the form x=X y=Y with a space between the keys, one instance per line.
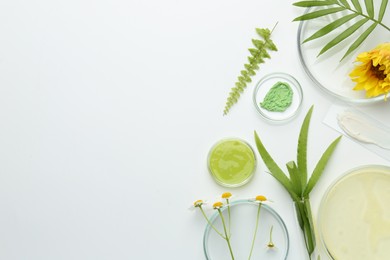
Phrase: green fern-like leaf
x=259 y=53
x=359 y=11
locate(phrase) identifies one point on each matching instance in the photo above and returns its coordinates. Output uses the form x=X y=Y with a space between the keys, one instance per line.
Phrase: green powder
x=231 y=162
x=278 y=98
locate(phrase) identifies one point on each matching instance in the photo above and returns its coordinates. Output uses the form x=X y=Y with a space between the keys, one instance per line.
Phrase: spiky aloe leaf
x=302 y=148
x=320 y=167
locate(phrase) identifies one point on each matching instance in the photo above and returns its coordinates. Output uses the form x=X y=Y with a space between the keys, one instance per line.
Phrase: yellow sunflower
x=373 y=72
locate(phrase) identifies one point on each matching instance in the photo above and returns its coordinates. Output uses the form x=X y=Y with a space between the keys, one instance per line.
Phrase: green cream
x=231 y=162
x=278 y=98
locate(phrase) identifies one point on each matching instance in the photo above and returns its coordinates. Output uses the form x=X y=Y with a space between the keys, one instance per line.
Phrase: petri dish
x=327 y=72
x=263 y=87
x=354 y=215
x=231 y=162
x=243 y=220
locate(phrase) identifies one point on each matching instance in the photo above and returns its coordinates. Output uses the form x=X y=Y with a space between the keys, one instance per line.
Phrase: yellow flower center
x=198 y=203
x=217 y=205
x=226 y=195
x=261 y=198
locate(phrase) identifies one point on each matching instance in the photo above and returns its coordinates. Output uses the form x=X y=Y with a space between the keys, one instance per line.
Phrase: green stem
x=255 y=233
x=227 y=238
x=210 y=224
x=229 y=221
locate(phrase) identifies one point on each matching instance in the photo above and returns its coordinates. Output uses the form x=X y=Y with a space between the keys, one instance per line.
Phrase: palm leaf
x=350 y=30
x=360 y=40
x=369 y=8
x=330 y=27
x=382 y=10
x=319 y=13
x=357 y=5
x=315 y=3
x=345 y=3
x=353 y=9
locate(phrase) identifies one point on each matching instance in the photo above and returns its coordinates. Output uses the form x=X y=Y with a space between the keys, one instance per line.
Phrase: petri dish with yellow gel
x=231 y=162
x=354 y=215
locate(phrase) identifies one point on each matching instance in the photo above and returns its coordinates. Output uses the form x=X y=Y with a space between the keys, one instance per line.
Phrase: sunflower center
x=380 y=74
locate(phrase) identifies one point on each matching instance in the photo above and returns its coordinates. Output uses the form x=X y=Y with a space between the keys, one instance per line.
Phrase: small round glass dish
x=243 y=214
x=264 y=86
x=231 y=162
x=354 y=215
x=327 y=71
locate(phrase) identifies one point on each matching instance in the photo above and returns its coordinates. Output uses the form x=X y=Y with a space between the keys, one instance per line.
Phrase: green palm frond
x=259 y=53
x=358 y=12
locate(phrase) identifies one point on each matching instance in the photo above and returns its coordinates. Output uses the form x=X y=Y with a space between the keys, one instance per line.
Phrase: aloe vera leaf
x=320 y=167
x=302 y=148
x=345 y=3
x=357 y=6
x=294 y=177
x=345 y=34
x=276 y=172
x=382 y=10
x=314 y=3
x=319 y=13
x=359 y=40
x=330 y=27
x=370 y=8
x=309 y=232
x=305 y=226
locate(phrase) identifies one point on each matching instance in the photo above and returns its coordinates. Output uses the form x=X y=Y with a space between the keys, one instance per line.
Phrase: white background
x=108 y=110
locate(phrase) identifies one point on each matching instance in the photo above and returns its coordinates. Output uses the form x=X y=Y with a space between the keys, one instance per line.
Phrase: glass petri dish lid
x=243 y=215
x=354 y=216
x=326 y=71
x=231 y=162
x=263 y=88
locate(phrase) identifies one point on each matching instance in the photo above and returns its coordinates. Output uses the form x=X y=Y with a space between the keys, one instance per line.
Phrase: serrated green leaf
x=253 y=52
x=330 y=27
x=302 y=148
x=370 y=8
x=258 y=43
x=345 y=3
x=274 y=169
x=345 y=34
x=359 y=40
x=357 y=6
x=257 y=55
x=270 y=45
x=264 y=32
x=382 y=10
x=294 y=177
x=320 y=167
x=319 y=13
x=314 y=3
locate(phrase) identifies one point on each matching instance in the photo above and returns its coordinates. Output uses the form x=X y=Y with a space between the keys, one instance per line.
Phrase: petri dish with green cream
x=354 y=215
x=231 y=162
x=278 y=97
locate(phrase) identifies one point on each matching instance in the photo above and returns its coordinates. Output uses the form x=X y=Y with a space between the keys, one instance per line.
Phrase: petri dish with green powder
x=231 y=162
x=277 y=97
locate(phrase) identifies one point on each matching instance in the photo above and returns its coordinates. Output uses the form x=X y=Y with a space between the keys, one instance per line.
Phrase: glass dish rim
x=361 y=101
x=244 y=181
x=345 y=174
x=297 y=85
x=250 y=202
